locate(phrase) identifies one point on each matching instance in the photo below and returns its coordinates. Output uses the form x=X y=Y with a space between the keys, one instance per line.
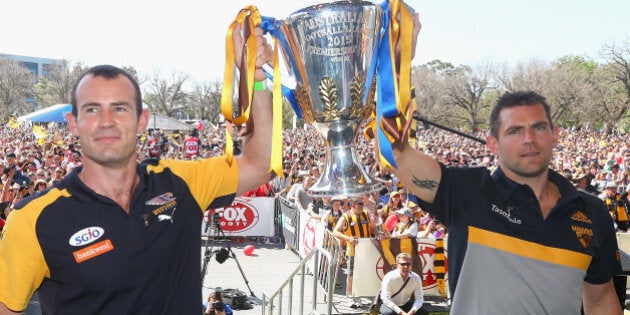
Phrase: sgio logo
x=239 y=217
x=86 y=236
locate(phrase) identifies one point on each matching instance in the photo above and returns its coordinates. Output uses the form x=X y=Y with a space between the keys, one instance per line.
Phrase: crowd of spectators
x=30 y=164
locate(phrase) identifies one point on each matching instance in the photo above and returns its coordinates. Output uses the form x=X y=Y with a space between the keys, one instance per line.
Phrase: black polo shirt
x=505 y=258
x=86 y=255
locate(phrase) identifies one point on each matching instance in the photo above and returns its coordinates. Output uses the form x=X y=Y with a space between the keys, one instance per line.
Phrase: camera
x=216 y=220
x=218 y=306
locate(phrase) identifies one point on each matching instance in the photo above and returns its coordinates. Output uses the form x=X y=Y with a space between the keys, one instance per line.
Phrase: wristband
x=259 y=86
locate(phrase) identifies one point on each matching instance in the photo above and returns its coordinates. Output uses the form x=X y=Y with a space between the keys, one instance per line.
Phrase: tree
x=525 y=76
x=206 y=101
x=166 y=96
x=466 y=91
x=614 y=97
x=568 y=87
x=430 y=90
x=55 y=86
x=15 y=86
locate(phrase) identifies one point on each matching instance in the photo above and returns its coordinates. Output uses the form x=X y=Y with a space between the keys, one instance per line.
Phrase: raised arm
x=255 y=158
x=417 y=171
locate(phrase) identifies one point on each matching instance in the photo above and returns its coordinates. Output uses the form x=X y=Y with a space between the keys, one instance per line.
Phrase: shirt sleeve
x=417 y=293
x=386 y=293
x=209 y=180
x=22 y=264
x=605 y=262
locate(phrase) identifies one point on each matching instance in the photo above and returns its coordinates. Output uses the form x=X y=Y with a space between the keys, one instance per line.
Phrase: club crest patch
x=583 y=234
x=166 y=205
x=161 y=199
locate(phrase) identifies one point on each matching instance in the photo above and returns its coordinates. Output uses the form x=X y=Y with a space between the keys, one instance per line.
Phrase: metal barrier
x=324 y=262
x=331 y=245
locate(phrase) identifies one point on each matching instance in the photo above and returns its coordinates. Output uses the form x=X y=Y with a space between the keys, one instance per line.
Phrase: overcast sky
x=189 y=35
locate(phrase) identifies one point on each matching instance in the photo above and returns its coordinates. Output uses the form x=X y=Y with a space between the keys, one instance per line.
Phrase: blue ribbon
x=272 y=26
x=386 y=99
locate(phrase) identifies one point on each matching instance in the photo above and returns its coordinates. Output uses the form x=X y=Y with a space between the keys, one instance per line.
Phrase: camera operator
x=215 y=305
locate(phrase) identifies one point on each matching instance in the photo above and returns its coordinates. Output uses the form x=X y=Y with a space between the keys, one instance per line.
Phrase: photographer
x=215 y=305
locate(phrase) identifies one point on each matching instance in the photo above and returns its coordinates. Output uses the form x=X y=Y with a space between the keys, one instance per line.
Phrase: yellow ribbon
x=252 y=13
x=401 y=34
x=249 y=18
x=276 y=137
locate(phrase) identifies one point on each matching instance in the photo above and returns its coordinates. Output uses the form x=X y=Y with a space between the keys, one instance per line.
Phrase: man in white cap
x=616 y=206
x=331 y=213
x=407 y=227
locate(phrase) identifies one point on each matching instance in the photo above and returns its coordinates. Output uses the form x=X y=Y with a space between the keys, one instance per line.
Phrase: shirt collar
x=506 y=187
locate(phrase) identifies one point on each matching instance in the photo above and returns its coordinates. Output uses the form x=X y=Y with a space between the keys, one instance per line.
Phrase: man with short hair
x=354 y=224
x=615 y=205
x=401 y=289
x=116 y=236
x=522 y=239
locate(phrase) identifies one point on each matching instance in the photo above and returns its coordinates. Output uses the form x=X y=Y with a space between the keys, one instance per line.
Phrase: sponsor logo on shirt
x=167 y=205
x=86 y=236
x=92 y=251
x=506 y=214
x=581 y=217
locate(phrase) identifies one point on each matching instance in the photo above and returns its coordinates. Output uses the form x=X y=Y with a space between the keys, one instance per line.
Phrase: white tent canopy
x=163 y=122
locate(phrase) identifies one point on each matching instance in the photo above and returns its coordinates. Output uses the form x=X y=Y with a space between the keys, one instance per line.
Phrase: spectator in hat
x=407 y=227
x=40 y=185
x=393 y=204
x=331 y=214
x=615 y=205
x=582 y=181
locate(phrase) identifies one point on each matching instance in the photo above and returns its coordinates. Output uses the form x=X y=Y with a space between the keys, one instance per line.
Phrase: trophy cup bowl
x=330 y=51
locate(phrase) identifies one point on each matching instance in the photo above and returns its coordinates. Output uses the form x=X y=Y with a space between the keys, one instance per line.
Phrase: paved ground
x=266 y=270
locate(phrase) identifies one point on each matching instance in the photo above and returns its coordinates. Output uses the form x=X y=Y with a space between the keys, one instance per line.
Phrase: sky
x=188 y=36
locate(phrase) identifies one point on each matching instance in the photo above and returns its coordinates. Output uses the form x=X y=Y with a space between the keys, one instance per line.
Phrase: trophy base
x=352 y=189
x=343 y=175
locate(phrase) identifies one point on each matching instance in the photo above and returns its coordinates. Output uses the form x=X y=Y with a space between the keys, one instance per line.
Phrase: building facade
x=36 y=65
